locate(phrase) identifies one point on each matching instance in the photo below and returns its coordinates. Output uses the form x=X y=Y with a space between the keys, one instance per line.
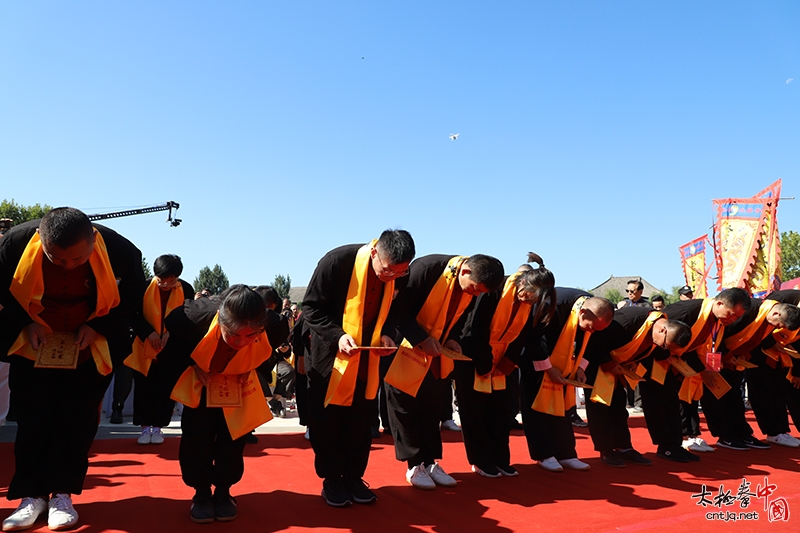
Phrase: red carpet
x=138 y=489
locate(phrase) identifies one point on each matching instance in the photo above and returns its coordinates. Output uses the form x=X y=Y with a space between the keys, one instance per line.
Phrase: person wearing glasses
x=345 y=308
x=154 y=378
x=615 y=357
x=634 y=292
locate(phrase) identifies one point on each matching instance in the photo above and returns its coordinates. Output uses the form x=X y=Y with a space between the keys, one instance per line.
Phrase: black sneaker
x=753 y=442
x=359 y=490
x=733 y=444
x=612 y=458
x=507 y=470
x=116 y=416
x=577 y=421
x=672 y=454
x=225 y=507
x=689 y=455
x=202 y=511
x=335 y=494
x=486 y=470
x=251 y=438
x=376 y=433
x=632 y=456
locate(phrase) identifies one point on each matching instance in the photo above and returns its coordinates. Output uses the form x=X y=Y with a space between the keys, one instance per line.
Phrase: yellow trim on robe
x=505 y=328
x=254 y=410
x=432 y=319
x=603 y=390
x=692 y=387
x=143 y=353
x=554 y=398
x=27 y=286
x=342 y=384
x=734 y=342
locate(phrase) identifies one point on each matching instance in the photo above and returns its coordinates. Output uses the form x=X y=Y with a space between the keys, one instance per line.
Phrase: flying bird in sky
x=454 y=136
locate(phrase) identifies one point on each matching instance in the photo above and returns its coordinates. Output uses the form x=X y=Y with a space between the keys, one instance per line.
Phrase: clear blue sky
x=594 y=133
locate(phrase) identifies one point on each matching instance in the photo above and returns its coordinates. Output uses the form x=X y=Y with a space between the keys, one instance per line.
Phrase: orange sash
x=345 y=368
x=143 y=353
x=27 y=287
x=603 y=390
x=692 y=387
x=554 y=398
x=505 y=328
x=432 y=319
x=254 y=410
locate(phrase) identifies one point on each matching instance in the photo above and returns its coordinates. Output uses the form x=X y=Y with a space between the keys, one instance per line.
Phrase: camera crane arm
x=169 y=206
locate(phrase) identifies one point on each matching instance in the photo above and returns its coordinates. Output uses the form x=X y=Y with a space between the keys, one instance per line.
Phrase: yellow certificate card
x=576 y=383
x=224 y=391
x=455 y=356
x=60 y=351
x=715 y=383
x=744 y=363
x=682 y=366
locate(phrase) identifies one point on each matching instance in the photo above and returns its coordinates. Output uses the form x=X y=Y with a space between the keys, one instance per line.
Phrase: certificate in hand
x=455 y=356
x=224 y=391
x=576 y=383
x=60 y=351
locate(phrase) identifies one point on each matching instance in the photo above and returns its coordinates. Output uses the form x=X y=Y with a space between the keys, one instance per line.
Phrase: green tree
x=614 y=296
x=282 y=284
x=146 y=268
x=213 y=279
x=790 y=255
x=22 y=213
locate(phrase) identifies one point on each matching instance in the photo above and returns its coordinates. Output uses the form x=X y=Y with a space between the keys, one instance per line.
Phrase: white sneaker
x=418 y=477
x=439 y=476
x=25 y=515
x=696 y=444
x=156 y=436
x=574 y=464
x=551 y=465
x=61 y=514
x=784 y=439
x=145 y=437
x=450 y=425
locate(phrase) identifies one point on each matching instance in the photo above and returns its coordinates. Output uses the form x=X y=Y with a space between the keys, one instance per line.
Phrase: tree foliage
x=213 y=279
x=22 y=213
x=282 y=284
x=146 y=268
x=790 y=255
x=614 y=296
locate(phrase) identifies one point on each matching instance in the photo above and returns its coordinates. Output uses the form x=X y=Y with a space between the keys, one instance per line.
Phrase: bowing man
x=345 y=307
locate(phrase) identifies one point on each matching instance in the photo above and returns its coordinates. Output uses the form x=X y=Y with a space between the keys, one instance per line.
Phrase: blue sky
x=593 y=133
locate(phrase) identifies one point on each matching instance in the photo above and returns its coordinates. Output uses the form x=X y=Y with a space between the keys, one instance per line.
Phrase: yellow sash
x=142 y=356
x=603 y=390
x=27 y=286
x=504 y=329
x=432 y=319
x=737 y=341
x=692 y=387
x=554 y=398
x=345 y=368
x=254 y=410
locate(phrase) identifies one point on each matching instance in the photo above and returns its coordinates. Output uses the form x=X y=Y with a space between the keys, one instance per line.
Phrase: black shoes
x=634 y=457
x=359 y=490
x=577 y=421
x=733 y=444
x=753 y=442
x=673 y=454
x=202 y=511
x=116 y=414
x=335 y=494
x=612 y=458
x=224 y=506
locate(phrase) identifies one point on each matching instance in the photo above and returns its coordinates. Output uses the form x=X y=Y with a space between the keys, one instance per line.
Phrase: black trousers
x=208 y=455
x=662 y=411
x=415 y=421
x=340 y=435
x=725 y=417
x=768 y=397
x=608 y=424
x=301 y=396
x=152 y=405
x=484 y=428
x=547 y=435
x=690 y=418
x=58 y=412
